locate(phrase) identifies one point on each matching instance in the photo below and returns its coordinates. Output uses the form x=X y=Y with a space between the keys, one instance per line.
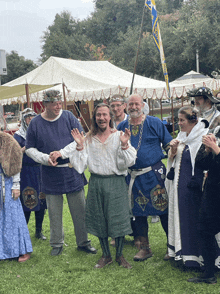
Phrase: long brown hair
x=94 y=126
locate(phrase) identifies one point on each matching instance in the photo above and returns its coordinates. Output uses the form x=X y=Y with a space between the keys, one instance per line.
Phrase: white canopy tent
x=84 y=80
x=190 y=80
x=94 y=80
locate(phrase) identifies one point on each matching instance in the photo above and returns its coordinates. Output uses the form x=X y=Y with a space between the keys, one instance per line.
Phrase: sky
x=22 y=22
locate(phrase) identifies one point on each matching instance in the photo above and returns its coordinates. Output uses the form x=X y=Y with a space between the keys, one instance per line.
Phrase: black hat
x=203 y=91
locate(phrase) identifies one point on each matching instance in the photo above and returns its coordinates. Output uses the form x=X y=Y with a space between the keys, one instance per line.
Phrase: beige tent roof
x=85 y=80
x=93 y=80
x=19 y=90
x=190 y=80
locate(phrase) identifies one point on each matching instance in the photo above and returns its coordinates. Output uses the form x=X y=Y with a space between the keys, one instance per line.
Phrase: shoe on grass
x=40 y=236
x=24 y=257
x=103 y=261
x=56 y=251
x=88 y=249
x=197 y=280
x=123 y=262
x=167 y=257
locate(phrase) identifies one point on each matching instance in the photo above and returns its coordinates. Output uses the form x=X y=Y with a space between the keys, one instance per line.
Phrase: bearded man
x=107 y=153
x=205 y=103
x=146 y=177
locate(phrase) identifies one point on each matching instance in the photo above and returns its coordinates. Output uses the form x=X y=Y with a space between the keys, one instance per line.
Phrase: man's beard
x=202 y=109
x=135 y=113
x=103 y=129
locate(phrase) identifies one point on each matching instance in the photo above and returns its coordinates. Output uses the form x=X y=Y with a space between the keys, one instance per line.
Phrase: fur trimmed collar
x=10 y=155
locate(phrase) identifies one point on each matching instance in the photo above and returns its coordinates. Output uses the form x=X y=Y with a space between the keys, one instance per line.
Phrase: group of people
x=129 y=182
x=192 y=185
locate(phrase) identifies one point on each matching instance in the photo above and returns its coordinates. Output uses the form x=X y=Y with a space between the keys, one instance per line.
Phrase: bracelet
x=79 y=148
x=125 y=147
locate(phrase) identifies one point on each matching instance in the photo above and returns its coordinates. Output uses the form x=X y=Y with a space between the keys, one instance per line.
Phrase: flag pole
x=139 y=42
x=151 y=4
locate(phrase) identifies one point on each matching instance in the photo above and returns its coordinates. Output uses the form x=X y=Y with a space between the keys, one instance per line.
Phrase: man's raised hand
x=78 y=137
x=124 y=137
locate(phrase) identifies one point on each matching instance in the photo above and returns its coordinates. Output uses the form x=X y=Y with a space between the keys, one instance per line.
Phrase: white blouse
x=106 y=158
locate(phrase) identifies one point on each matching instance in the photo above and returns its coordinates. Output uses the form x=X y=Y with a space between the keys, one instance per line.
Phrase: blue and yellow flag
x=157 y=39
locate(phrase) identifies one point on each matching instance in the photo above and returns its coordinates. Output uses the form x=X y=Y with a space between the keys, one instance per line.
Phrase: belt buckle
x=70 y=165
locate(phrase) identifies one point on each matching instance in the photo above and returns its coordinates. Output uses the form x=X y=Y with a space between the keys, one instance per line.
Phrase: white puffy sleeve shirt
x=106 y=158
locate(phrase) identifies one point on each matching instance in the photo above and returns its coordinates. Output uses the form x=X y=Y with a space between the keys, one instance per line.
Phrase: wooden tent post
x=27 y=95
x=64 y=96
x=152 y=107
x=161 y=110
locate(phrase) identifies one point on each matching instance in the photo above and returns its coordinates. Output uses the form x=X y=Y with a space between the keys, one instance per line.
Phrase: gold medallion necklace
x=135 y=129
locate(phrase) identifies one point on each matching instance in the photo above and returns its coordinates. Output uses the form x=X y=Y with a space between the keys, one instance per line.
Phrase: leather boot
x=137 y=242
x=145 y=251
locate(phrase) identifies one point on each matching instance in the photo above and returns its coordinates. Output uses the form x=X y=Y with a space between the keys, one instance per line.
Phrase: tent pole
x=64 y=96
x=27 y=95
x=152 y=107
x=139 y=42
x=161 y=110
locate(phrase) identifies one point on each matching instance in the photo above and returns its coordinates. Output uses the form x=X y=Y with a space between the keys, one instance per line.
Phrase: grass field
x=72 y=272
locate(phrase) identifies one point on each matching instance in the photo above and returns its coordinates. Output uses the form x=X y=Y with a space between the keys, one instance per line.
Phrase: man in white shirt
x=108 y=154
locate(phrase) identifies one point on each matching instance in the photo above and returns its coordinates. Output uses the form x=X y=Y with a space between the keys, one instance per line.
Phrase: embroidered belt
x=134 y=173
x=64 y=165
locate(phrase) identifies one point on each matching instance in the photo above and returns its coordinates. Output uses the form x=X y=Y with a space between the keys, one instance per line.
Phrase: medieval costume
x=209 y=218
x=108 y=165
x=146 y=177
x=14 y=235
x=107 y=208
x=30 y=180
x=43 y=137
x=184 y=198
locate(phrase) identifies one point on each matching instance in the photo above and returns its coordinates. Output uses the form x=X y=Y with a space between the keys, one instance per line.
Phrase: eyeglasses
x=115 y=106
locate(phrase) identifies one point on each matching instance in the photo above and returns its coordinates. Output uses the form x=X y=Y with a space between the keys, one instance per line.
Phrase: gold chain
x=141 y=132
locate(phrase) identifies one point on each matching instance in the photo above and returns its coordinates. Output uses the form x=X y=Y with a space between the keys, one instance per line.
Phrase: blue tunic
x=30 y=178
x=14 y=235
x=149 y=195
x=47 y=136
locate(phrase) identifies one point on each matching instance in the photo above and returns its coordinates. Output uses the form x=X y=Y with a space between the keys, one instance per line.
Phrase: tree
x=196 y=27
x=112 y=17
x=112 y=33
x=17 y=66
x=65 y=38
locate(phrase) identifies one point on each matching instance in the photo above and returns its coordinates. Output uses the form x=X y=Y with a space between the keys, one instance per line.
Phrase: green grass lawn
x=72 y=272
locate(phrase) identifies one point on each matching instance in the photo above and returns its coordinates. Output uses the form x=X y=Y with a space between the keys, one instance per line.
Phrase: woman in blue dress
x=15 y=240
x=30 y=184
x=184 y=188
